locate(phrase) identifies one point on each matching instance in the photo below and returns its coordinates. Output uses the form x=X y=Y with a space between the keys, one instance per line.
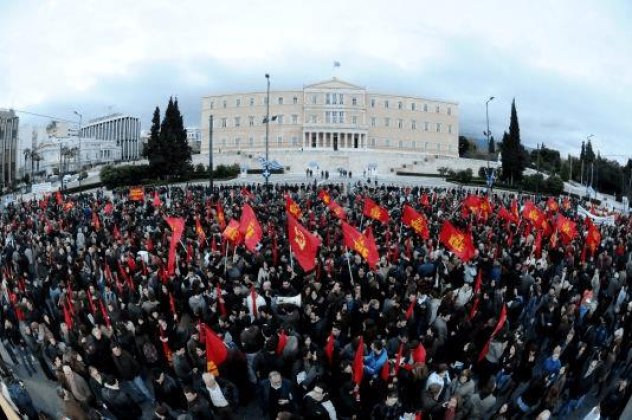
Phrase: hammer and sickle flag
x=456 y=241
x=373 y=211
x=292 y=208
x=250 y=228
x=304 y=244
x=324 y=195
x=360 y=243
x=416 y=221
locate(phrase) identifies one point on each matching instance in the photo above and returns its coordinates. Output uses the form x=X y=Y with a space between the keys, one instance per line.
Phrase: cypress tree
x=491 y=147
x=154 y=150
x=589 y=154
x=513 y=153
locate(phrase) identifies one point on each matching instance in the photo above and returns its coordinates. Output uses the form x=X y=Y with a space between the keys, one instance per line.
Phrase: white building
x=194 y=139
x=120 y=128
x=73 y=153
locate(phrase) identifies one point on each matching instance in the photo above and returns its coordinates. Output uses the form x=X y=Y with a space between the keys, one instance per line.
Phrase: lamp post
x=79 y=135
x=267 y=164
x=210 y=151
x=490 y=171
x=488 y=133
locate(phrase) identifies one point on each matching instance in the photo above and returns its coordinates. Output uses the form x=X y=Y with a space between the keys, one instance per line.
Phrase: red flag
x=216 y=351
x=292 y=208
x=474 y=308
x=157 y=201
x=499 y=326
x=324 y=195
x=552 y=205
x=253 y=302
x=221 y=219
x=479 y=281
x=566 y=227
x=329 y=348
x=95 y=221
x=67 y=317
x=232 y=233
x=172 y=304
x=373 y=211
x=90 y=302
x=419 y=354
x=304 y=245
x=136 y=194
x=411 y=309
x=131 y=263
x=593 y=239
x=456 y=241
x=486 y=208
x=566 y=203
x=514 y=209
x=505 y=215
x=250 y=228
x=385 y=372
x=59 y=197
x=108 y=208
x=247 y=194
x=471 y=204
x=423 y=200
x=104 y=312
x=177 y=227
x=282 y=342
x=416 y=222
x=358 y=363
x=532 y=213
x=360 y=243
x=337 y=210
x=538 y=244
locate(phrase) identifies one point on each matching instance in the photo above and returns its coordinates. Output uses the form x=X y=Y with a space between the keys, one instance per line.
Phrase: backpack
x=150 y=353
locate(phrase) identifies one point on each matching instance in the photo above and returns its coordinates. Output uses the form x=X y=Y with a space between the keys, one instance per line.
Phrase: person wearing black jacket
x=168 y=390
x=118 y=402
x=129 y=371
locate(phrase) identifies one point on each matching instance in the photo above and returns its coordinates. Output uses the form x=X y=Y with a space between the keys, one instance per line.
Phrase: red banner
x=360 y=244
x=304 y=245
x=249 y=228
x=136 y=194
x=456 y=241
x=216 y=351
x=177 y=227
x=232 y=232
x=373 y=211
x=415 y=221
x=292 y=208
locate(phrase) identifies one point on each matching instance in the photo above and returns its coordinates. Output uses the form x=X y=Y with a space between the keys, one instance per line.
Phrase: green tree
x=514 y=155
x=589 y=154
x=173 y=139
x=565 y=170
x=582 y=154
x=154 y=150
x=464 y=146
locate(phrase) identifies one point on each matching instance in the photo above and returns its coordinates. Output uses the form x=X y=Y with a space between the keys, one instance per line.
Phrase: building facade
x=194 y=138
x=331 y=115
x=70 y=154
x=123 y=129
x=9 y=123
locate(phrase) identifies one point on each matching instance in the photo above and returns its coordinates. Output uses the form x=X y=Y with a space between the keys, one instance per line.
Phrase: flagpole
x=349 y=264
x=291 y=261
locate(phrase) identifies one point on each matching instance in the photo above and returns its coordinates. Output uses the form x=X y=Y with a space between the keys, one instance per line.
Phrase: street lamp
x=488 y=133
x=490 y=171
x=266 y=172
x=79 y=135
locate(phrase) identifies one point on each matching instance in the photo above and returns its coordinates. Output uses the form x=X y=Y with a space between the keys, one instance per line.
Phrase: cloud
x=566 y=62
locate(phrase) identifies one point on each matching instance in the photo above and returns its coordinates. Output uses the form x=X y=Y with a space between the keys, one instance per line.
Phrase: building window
x=449 y=111
x=328 y=99
x=372 y=102
x=354 y=120
x=372 y=141
x=413 y=125
x=400 y=123
x=252 y=101
x=387 y=122
x=386 y=103
x=237 y=103
x=251 y=141
x=426 y=124
x=401 y=144
x=438 y=127
x=295 y=100
x=425 y=107
x=312 y=119
x=280 y=101
x=372 y=121
x=224 y=103
x=354 y=101
x=437 y=110
x=237 y=121
x=327 y=117
x=279 y=119
x=341 y=99
x=210 y=105
x=400 y=105
x=412 y=106
x=294 y=119
x=314 y=99
x=251 y=121
x=449 y=128
x=223 y=122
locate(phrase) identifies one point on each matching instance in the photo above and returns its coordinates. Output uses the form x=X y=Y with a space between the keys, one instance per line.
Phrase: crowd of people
x=530 y=326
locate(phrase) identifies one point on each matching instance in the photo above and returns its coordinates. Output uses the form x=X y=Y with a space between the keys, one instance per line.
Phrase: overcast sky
x=567 y=63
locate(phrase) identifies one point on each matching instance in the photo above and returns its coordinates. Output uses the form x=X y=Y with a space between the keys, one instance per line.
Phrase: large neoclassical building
x=332 y=115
